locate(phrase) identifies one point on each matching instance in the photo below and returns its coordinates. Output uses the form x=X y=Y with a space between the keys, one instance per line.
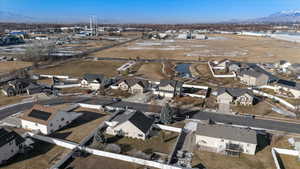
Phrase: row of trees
x=38 y=52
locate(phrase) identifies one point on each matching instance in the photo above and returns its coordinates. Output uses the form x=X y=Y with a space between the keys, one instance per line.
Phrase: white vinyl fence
x=276 y=151
x=280 y=100
x=71 y=145
x=220 y=76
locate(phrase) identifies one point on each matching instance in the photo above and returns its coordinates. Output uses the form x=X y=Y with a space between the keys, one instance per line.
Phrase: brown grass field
x=80 y=67
x=11 y=66
x=151 y=71
x=243 y=48
x=4 y=100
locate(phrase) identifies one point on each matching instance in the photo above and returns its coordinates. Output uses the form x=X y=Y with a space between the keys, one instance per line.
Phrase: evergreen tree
x=99 y=136
x=166 y=114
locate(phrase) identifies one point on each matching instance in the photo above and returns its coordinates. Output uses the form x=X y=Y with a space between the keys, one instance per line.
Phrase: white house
x=10 y=144
x=199 y=36
x=226 y=139
x=182 y=36
x=236 y=96
x=169 y=88
x=92 y=81
x=46 y=119
x=131 y=124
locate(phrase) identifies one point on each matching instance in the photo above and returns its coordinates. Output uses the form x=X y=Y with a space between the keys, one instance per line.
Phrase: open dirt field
x=13 y=65
x=80 y=67
x=244 y=48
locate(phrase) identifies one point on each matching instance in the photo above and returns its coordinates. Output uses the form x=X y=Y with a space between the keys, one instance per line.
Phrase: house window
x=51 y=124
x=36 y=124
x=12 y=150
x=62 y=119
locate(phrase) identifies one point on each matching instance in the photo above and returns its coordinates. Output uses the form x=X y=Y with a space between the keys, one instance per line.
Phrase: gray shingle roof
x=252 y=73
x=132 y=81
x=288 y=84
x=92 y=77
x=7 y=135
x=140 y=120
x=227 y=132
x=173 y=83
x=235 y=92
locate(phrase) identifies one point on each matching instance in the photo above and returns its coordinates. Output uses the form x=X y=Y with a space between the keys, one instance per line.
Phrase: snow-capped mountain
x=283 y=16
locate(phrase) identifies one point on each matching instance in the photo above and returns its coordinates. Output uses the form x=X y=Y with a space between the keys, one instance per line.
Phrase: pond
x=184 y=70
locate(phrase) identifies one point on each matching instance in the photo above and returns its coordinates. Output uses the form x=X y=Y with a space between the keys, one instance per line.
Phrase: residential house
x=169 y=88
x=288 y=86
x=140 y=86
x=10 y=144
x=226 y=139
x=134 y=85
x=221 y=65
x=234 y=67
x=253 y=78
x=236 y=96
x=46 y=119
x=22 y=86
x=131 y=124
x=283 y=65
x=92 y=81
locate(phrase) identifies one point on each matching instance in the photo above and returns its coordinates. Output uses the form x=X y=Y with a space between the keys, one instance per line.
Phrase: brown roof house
x=46 y=119
x=253 y=78
x=236 y=96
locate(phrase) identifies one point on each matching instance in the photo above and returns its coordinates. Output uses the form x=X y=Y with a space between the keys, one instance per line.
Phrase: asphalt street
x=221 y=118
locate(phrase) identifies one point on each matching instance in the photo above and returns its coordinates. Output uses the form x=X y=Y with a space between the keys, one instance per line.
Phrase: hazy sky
x=147 y=11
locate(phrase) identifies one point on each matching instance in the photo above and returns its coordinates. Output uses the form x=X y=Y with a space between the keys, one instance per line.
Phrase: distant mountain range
x=14 y=17
x=291 y=16
x=283 y=16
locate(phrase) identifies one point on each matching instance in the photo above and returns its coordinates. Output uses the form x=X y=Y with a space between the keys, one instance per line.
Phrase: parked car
x=116 y=99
